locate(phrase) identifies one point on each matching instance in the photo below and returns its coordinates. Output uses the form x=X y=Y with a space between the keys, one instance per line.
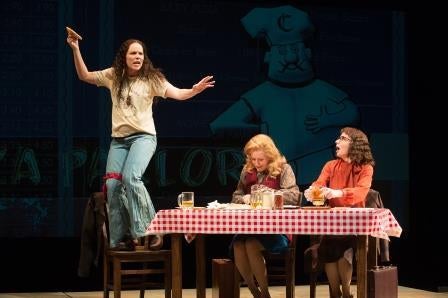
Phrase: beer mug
x=185 y=200
x=268 y=199
x=317 y=196
x=255 y=200
x=278 y=200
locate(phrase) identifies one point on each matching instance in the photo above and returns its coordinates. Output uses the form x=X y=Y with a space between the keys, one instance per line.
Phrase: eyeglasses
x=344 y=138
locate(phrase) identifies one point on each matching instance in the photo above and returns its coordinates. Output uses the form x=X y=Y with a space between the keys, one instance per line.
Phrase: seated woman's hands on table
x=329 y=193
x=246 y=199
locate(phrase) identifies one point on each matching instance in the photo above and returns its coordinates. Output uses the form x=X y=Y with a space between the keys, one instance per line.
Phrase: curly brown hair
x=359 y=151
x=147 y=72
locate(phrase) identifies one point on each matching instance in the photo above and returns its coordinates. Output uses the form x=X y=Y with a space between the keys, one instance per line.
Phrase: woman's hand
x=330 y=193
x=246 y=199
x=73 y=42
x=203 y=84
x=307 y=193
x=72 y=38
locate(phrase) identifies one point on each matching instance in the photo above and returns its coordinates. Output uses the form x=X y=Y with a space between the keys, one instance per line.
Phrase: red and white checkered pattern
x=351 y=221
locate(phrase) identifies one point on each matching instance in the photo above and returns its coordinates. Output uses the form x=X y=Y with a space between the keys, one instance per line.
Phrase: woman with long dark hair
x=133 y=82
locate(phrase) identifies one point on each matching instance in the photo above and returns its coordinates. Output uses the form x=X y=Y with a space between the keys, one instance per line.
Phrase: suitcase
x=382 y=282
x=225 y=279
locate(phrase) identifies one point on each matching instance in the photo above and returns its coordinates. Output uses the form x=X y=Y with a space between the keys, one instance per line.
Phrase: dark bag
x=382 y=282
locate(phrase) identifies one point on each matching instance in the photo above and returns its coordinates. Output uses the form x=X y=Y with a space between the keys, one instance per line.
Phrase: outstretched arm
x=183 y=94
x=81 y=69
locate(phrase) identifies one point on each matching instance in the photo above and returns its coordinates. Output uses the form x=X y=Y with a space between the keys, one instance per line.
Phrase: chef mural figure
x=300 y=112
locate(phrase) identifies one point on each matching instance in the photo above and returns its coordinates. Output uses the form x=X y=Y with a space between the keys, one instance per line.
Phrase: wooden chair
x=132 y=269
x=281 y=268
x=316 y=271
x=373 y=200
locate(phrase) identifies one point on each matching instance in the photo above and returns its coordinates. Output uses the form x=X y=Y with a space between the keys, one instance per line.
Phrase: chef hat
x=280 y=25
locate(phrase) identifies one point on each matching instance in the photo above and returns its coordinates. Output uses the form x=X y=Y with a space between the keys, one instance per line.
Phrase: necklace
x=128 y=97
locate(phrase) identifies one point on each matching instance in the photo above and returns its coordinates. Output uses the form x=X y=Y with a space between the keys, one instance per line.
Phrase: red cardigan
x=251 y=179
x=353 y=180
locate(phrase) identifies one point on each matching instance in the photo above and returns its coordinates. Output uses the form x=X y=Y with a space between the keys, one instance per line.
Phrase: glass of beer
x=255 y=200
x=278 y=200
x=185 y=200
x=317 y=196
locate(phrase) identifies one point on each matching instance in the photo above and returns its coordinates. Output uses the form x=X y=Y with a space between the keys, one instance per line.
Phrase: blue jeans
x=130 y=207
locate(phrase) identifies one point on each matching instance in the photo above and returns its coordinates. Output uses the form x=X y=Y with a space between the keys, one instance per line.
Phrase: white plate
x=316 y=207
x=290 y=207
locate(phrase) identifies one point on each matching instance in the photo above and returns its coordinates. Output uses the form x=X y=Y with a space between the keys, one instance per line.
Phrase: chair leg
x=290 y=265
x=313 y=282
x=236 y=282
x=117 y=278
x=167 y=277
x=105 y=277
x=143 y=279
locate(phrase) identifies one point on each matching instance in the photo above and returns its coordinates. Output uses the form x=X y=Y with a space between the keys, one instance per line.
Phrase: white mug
x=268 y=200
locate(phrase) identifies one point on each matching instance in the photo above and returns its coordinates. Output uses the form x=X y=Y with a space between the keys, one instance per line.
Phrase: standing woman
x=345 y=182
x=266 y=167
x=133 y=82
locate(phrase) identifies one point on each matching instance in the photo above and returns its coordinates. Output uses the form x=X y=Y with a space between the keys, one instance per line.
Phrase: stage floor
x=276 y=292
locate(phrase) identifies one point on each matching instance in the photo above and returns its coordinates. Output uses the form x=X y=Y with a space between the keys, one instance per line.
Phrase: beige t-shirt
x=135 y=118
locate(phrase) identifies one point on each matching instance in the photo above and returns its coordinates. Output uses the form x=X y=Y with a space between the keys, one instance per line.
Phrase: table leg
x=200 y=266
x=176 y=265
x=361 y=268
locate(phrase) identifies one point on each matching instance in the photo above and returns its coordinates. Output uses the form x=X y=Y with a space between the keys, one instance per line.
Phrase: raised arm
x=81 y=69
x=183 y=94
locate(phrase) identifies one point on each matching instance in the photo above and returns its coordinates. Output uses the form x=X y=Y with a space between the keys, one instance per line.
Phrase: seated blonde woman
x=265 y=166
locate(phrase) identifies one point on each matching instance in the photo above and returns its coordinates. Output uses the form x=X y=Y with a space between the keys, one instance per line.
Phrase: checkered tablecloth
x=349 y=221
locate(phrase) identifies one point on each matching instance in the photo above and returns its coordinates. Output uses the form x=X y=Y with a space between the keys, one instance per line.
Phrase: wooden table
x=361 y=222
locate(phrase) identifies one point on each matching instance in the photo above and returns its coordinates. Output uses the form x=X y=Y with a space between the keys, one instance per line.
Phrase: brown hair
x=147 y=71
x=359 y=150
